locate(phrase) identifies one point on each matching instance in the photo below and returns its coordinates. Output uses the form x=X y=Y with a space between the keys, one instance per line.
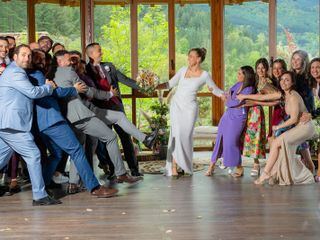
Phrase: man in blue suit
x=56 y=131
x=16 y=113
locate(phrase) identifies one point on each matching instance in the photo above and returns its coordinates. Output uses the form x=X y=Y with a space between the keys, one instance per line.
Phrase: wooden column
x=31 y=15
x=86 y=17
x=272 y=40
x=134 y=53
x=217 y=56
x=172 y=44
x=272 y=28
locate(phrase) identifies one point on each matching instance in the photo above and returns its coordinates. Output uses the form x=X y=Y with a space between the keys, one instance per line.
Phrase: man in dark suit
x=106 y=75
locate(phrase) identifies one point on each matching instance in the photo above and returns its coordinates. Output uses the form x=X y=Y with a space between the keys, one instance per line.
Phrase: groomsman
x=93 y=121
x=57 y=133
x=16 y=113
x=105 y=75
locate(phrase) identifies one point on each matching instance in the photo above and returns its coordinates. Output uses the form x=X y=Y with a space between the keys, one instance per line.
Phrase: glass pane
x=144 y=111
x=13 y=20
x=298 y=27
x=62 y=24
x=112 y=31
x=205 y=111
x=245 y=37
x=193 y=29
x=127 y=102
x=153 y=39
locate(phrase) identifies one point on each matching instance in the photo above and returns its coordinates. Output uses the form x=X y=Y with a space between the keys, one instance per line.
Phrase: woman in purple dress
x=232 y=123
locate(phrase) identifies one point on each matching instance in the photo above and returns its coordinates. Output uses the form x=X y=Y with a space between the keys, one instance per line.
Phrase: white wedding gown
x=183 y=115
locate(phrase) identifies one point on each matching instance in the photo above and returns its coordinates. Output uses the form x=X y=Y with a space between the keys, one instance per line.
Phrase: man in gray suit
x=16 y=112
x=94 y=121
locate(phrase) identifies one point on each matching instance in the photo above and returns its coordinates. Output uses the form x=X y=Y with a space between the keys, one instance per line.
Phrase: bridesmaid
x=228 y=139
x=314 y=72
x=184 y=110
x=255 y=136
x=282 y=166
x=299 y=66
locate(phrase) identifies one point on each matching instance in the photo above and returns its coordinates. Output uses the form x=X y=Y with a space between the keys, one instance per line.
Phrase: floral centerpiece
x=147 y=81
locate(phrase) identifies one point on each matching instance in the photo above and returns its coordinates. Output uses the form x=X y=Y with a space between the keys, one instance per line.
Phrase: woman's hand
x=305 y=117
x=241 y=97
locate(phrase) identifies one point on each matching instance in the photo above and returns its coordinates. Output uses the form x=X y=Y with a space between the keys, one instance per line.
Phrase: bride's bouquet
x=147 y=81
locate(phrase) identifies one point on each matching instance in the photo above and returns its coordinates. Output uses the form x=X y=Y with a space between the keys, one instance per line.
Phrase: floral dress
x=255 y=138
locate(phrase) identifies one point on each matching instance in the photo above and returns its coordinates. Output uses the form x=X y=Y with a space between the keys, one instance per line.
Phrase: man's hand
x=80 y=87
x=305 y=117
x=114 y=91
x=52 y=83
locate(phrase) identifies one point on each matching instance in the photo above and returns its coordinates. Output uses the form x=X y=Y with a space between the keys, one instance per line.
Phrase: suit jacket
x=48 y=111
x=16 y=98
x=114 y=77
x=75 y=108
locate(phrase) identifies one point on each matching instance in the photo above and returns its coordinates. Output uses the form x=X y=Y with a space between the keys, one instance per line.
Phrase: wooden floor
x=195 y=207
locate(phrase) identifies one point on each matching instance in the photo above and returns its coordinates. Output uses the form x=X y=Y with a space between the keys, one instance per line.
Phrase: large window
x=298 y=27
x=152 y=50
x=13 y=20
x=193 y=30
x=245 y=37
x=62 y=24
x=112 y=31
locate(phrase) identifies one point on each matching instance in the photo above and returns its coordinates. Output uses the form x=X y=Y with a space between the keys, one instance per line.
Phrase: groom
x=100 y=72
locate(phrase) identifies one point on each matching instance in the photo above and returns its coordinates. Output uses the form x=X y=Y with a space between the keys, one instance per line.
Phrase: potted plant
x=159 y=119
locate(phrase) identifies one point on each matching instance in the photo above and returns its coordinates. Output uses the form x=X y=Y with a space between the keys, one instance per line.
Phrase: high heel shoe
x=238 y=172
x=263 y=178
x=210 y=170
x=255 y=171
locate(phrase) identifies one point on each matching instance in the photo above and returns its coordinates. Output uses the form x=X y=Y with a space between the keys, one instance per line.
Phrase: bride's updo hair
x=201 y=52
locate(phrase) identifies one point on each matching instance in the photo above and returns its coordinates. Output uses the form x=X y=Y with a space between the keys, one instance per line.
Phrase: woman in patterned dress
x=255 y=135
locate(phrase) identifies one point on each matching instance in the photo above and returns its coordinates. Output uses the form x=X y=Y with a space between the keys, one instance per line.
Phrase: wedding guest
x=57 y=47
x=4 y=50
x=45 y=44
x=105 y=74
x=314 y=71
x=91 y=120
x=56 y=132
x=34 y=45
x=12 y=46
x=16 y=99
x=299 y=63
x=184 y=110
x=282 y=166
x=227 y=143
x=255 y=133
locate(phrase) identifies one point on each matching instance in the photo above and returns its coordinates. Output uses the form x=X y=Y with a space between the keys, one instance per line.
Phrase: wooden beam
x=272 y=28
x=217 y=56
x=31 y=21
x=134 y=54
x=172 y=44
x=87 y=18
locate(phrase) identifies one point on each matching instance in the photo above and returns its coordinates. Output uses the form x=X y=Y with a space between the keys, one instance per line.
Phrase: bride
x=184 y=110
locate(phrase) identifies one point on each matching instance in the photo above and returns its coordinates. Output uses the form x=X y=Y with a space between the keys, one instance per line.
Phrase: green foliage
x=159 y=120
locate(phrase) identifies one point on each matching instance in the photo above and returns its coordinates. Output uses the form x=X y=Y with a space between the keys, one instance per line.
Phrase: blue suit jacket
x=16 y=98
x=47 y=109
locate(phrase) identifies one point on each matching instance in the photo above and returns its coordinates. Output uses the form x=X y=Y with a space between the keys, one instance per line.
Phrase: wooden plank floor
x=195 y=207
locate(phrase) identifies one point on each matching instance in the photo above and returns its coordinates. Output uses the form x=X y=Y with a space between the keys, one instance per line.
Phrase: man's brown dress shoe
x=104 y=192
x=128 y=179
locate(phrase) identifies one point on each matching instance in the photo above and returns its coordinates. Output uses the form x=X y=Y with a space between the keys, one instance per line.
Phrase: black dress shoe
x=150 y=140
x=4 y=190
x=46 y=201
x=136 y=174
